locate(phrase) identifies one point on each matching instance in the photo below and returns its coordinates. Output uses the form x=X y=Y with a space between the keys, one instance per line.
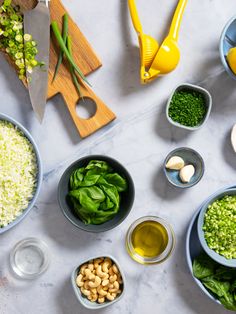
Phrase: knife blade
x=37 y=24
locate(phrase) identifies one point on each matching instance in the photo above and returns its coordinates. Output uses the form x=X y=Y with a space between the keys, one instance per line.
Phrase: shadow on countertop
x=166 y=131
x=163 y=188
x=68 y=303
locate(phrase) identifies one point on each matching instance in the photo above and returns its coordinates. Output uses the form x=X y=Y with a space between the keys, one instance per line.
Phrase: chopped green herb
x=220 y=226
x=187 y=107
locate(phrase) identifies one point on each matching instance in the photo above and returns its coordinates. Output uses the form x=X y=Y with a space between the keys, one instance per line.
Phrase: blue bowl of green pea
x=217 y=227
x=189 y=107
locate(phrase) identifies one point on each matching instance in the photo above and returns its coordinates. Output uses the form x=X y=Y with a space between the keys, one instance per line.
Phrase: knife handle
x=102 y=116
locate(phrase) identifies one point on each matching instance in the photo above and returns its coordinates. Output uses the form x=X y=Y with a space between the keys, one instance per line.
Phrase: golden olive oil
x=149 y=239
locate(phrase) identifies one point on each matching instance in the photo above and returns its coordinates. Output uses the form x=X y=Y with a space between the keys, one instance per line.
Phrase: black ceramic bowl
x=127 y=198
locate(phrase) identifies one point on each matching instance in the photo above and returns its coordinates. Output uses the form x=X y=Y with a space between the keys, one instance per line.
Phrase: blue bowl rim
x=215 y=256
x=90 y=157
x=194 y=87
x=39 y=174
x=171 y=154
x=221 y=48
x=187 y=243
x=77 y=290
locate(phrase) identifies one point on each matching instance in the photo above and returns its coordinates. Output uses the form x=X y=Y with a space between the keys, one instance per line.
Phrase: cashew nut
x=94 y=291
x=110 y=271
x=110 y=286
x=113 y=278
x=101 y=299
x=93 y=297
x=115 y=288
x=119 y=279
x=101 y=291
x=97 y=261
x=86 y=285
x=115 y=269
x=99 y=272
x=106 y=265
x=91 y=267
x=79 y=280
x=91 y=277
x=82 y=268
x=110 y=296
x=94 y=284
x=87 y=273
x=105 y=282
x=85 y=292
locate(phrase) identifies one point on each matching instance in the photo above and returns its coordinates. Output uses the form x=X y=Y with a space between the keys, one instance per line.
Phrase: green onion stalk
x=20 y=47
x=65 y=43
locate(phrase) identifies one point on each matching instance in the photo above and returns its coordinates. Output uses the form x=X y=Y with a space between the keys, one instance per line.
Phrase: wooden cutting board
x=86 y=59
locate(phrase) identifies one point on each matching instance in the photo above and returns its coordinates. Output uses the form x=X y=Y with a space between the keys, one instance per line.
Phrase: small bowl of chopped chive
x=217 y=228
x=189 y=107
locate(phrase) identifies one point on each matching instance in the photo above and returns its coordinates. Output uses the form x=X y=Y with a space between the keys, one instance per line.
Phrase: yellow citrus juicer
x=157 y=60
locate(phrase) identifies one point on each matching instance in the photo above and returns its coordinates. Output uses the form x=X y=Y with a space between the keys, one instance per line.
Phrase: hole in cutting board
x=86 y=108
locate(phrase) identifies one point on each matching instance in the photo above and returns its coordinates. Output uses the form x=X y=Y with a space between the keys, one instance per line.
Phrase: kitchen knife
x=37 y=24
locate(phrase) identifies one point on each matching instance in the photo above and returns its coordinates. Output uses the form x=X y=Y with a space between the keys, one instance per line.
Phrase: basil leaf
x=203 y=266
x=94 y=192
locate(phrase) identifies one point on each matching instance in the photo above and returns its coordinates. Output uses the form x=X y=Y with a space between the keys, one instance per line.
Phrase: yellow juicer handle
x=176 y=21
x=134 y=16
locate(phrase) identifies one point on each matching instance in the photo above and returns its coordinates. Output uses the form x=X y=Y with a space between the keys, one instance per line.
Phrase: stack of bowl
x=196 y=242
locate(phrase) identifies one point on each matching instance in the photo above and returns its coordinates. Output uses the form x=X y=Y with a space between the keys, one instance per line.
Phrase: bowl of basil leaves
x=96 y=193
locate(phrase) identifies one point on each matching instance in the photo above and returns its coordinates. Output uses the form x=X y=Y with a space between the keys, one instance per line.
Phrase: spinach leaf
x=116 y=180
x=94 y=192
x=228 y=302
x=203 y=266
x=216 y=286
x=218 y=279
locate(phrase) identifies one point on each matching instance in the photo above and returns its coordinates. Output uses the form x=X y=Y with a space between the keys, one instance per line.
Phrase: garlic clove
x=233 y=137
x=186 y=173
x=175 y=163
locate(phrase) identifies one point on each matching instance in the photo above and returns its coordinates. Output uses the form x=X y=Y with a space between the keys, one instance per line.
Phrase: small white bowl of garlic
x=184 y=167
x=98 y=282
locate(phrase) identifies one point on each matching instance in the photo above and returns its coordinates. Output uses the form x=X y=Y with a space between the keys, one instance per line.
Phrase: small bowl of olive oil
x=150 y=240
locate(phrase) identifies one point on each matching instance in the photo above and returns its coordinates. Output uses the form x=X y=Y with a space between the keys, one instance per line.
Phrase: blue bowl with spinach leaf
x=96 y=193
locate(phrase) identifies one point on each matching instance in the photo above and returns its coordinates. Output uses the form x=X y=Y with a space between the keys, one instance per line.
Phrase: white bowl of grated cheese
x=20 y=172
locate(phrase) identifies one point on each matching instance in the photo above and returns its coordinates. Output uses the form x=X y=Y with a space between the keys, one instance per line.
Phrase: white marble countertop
x=140 y=138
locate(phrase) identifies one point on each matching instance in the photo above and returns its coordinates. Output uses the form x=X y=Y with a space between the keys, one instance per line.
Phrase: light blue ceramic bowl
x=208 y=104
x=82 y=299
x=215 y=256
x=227 y=41
x=190 y=156
x=39 y=175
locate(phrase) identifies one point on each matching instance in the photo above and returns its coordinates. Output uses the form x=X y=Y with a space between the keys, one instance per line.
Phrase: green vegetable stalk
x=218 y=279
x=64 y=37
x=64 y=48
x=94 y=192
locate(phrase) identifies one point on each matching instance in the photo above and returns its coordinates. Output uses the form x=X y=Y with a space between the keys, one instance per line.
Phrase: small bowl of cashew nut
x=98 y=282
